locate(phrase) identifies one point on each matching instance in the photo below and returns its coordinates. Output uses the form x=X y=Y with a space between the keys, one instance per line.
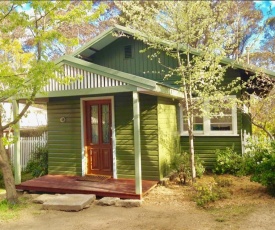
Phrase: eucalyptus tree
x=264 y=56
x=190 y=32
x=262 y=106
x=244 y=20
x=28 y=30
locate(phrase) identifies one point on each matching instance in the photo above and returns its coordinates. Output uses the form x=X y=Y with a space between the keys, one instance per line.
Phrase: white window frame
x=206 y=124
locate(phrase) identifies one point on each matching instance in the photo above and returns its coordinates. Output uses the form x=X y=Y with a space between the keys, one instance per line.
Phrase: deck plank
x=122 y=188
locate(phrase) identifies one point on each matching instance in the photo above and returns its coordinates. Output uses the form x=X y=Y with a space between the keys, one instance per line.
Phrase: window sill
x=211 y=135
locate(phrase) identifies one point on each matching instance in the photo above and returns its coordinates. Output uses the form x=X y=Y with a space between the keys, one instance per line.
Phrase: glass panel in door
x=105 y=124
x=94 y=124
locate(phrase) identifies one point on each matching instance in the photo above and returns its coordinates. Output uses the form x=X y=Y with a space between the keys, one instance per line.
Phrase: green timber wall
x=205 y=146
x=64 y=139
x=149 y=137
x=125 y=136
x=168 y=136
x=112 y=56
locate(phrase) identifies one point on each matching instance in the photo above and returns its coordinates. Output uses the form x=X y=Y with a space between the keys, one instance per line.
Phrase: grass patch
x=11 y=211
x=231 y=213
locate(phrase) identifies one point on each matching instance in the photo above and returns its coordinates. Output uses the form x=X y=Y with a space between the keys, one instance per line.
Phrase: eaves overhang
x=113 y=33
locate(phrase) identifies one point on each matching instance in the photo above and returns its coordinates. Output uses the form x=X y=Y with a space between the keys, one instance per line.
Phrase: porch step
x=66 y=202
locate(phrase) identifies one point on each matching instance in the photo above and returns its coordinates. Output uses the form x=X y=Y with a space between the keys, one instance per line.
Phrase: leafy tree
x=266 y=56
x=244 y=22
x=262 y=112
x=28 y=30
x=190 y=33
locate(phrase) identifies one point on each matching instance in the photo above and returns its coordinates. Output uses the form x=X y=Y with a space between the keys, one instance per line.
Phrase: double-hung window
x=221 y=121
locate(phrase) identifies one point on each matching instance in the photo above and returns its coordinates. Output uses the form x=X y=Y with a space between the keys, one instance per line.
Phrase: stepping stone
x=108 y=201
x=43 y=198
x=69 y=202
x=128 y=203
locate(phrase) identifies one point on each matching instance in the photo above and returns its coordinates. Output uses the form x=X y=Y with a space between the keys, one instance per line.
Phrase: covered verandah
x=100 y=80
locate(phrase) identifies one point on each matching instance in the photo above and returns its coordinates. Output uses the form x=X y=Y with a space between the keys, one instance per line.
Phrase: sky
x=266 y=6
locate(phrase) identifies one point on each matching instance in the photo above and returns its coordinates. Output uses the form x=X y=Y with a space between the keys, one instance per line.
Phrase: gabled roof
x=107 y=72
x=108 y=37
x=102 y=40
x=132 y=82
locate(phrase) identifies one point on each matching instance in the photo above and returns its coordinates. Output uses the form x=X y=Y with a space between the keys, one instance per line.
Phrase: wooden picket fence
x=27 y=146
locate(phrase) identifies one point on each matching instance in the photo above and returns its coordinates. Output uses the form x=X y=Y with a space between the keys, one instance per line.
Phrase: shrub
x=223 y=182
x=181 y=163
x=209 y=192
x=264 y=173
x=38 y=165
x=260 y=164
x=228 y=161
x=257 y=151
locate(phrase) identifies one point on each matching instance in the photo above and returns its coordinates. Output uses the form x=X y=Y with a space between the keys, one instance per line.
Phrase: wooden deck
x=122 y=188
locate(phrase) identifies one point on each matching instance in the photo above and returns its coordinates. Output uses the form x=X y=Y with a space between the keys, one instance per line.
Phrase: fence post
x=17 y=165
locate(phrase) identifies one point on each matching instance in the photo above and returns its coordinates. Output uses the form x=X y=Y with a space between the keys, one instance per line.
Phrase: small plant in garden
x=181 y=164
x=223 y=182
x=38 y=165
x=210 y=192
x=228 y=161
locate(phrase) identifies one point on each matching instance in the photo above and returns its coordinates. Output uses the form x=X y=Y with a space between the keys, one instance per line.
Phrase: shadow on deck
x=122 y=188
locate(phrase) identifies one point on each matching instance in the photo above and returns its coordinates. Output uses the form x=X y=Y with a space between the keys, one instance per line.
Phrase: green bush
x=264 y=173
x=228 y=161
x=223 y=182
x=260 y=164
x=38 y=165
x=210 y=192
x=181 y=163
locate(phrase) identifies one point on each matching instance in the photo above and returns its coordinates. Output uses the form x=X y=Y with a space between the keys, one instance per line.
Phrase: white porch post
x=17 y=166
x=137 y=149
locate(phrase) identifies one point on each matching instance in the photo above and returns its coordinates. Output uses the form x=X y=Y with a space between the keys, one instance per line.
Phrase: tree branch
x=21 y=114
x=8 y=13
x=264 y=129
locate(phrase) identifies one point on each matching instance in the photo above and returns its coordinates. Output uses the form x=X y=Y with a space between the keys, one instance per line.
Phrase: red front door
x=98 y=136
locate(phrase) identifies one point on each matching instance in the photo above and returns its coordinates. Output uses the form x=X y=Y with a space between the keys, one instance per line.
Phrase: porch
x=122 y=188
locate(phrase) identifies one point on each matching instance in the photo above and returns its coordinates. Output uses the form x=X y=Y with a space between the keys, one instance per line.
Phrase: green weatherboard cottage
x=121 y=118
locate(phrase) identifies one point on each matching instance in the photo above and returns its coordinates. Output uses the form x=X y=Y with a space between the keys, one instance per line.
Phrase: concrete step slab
x=69 y=202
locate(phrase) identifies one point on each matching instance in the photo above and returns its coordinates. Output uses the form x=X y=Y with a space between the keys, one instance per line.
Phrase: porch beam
x=16 y=133
x=93 y=91
x=137 y=147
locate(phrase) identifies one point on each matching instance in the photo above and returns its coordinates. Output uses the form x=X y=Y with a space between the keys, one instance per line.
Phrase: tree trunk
x=192 y=156
x=5 y=166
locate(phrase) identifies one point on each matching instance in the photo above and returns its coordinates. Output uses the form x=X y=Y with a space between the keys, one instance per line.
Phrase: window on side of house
x=197 y=123
x=222 y=122
x=128 y=52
